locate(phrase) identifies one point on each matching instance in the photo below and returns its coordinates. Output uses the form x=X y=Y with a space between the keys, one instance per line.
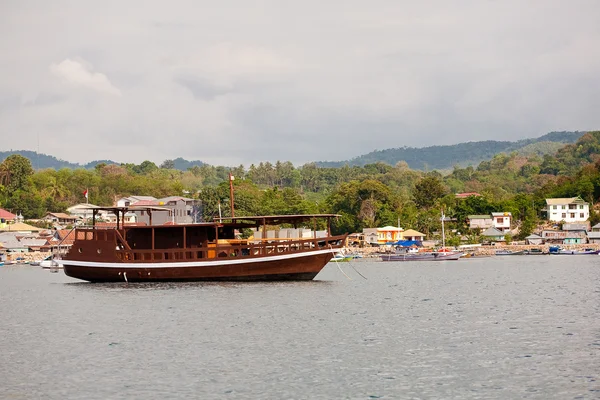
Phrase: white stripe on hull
x=190 y=264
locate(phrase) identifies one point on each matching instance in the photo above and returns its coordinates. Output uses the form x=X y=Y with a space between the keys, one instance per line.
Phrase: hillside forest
x=371 y=195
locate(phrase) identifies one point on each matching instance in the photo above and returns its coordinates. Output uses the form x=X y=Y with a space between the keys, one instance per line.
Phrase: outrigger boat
x=198 y=252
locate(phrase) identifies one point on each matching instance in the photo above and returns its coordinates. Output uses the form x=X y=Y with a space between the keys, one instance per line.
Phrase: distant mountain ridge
x=423 y=158
x=462 y=154
x=43 y=161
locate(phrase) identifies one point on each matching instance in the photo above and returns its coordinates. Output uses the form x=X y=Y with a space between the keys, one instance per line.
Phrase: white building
x=502 y=221
x=572 y=209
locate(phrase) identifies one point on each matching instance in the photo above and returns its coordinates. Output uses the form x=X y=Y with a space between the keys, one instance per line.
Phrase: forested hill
x=426 y=158
x=463 y=154
x=43 y=161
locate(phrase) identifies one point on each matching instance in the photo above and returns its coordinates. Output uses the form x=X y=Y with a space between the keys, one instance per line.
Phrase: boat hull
x=422 y=257
x=298 y=267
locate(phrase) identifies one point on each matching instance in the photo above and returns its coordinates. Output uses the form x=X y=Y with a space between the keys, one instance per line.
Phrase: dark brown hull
x=303 y=266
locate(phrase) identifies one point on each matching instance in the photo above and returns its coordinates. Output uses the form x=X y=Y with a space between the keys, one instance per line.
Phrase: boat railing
x=230 y=249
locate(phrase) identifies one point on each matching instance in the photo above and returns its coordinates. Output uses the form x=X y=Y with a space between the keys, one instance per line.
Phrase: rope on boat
x=338 y=264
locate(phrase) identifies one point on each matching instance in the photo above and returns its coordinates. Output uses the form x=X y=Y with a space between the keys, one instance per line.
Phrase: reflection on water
x=489 y=328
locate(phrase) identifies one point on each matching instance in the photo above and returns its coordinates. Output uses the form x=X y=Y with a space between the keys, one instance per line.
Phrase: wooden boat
x=509 y=252
x=422 y=256
x=535 y=252
x=198 y=252
x=557 y=250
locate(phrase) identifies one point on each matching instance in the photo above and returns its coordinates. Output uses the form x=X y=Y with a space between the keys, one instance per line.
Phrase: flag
x=85 y=193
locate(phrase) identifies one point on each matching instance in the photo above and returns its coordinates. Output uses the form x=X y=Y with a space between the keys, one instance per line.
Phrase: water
x=494 y=328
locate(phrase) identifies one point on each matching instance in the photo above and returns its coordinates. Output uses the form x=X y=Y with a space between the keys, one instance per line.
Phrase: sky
x=243 y=81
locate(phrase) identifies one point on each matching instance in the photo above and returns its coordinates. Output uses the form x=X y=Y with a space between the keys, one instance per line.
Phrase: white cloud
x=79 y=74
x=239 y=82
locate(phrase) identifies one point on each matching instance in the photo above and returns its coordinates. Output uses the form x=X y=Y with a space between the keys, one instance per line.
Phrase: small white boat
x=50 y=263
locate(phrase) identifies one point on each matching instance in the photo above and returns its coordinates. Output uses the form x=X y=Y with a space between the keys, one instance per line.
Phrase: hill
x=462 y=154
x=425 y=158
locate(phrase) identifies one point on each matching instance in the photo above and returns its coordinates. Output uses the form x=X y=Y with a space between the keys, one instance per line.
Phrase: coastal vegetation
x=369 y=195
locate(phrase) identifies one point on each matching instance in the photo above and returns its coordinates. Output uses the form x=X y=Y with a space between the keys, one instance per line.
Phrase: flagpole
x=231 y=193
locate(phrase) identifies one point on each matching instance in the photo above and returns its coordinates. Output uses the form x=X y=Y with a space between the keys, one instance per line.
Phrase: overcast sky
x=238 y=81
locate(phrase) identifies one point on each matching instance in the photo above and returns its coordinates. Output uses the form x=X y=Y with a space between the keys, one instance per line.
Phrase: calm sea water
x=493 y=328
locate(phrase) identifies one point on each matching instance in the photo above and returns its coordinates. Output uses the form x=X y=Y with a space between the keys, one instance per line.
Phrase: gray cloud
x=234 y=82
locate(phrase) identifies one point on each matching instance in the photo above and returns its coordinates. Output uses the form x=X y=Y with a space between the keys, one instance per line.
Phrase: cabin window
x=555 y=207
x=564 y=215
x=99 y=251
x=80 y=250
x=581 y=206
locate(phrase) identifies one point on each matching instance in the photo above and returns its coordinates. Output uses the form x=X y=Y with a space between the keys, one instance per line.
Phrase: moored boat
x=422 y=256
x=535 y=252
x=509 y=252
x=199 y=252
x=557 y=250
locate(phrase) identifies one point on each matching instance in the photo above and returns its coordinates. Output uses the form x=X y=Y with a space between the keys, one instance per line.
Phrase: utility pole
x=231 y=194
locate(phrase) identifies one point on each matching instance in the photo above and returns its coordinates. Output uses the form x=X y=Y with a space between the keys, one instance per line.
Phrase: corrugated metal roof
x=565 y=200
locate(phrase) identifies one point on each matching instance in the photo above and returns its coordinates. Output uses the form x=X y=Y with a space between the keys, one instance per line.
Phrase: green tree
x=428 y=190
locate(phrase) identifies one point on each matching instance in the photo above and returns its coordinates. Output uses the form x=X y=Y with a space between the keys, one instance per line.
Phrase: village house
x=502 y=221
x=6 y=217
x=381 y=236
x=499 y=220
x=534 y=239
x=480 y=221
x=131 y=200
x=84 y=212
x=571 y=209
x=60 y=219
x=564 y=237
x=493 y=235
x=412 y=235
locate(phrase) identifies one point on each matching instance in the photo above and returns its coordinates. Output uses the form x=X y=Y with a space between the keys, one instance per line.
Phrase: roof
x=139 y=198
x=7 y=215
x=575 y=227
x=62 y=215
x=390 y=228
x=65 y=234
x=491 y=232
x=488 y=216
x=145 y=203
x=565 y=200
x=412 y=232
x=33 y=242
x=10 y=241
x=174 y=198
x=407 y=243
x=20 y=226
x=502 y=214
x=593 y=235
x=533 y=236
x=79 y=206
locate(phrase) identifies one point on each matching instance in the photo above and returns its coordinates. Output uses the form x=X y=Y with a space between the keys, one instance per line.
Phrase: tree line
x=372 y=195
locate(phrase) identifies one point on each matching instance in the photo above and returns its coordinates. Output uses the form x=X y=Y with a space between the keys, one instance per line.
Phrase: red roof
x=7 y=215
